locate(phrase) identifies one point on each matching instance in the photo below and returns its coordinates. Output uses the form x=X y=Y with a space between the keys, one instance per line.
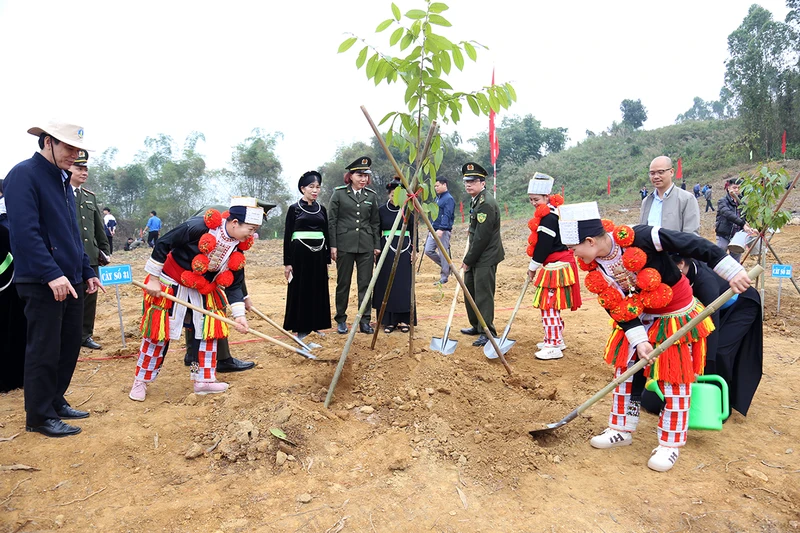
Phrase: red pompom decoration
x=533 y=238
x=212 y=218
x=200 y=263
x=236 y=261
x=205 y=287
x=648 y=279
x=529 y=250
x=246 y=244
x=624 y=235
x=226 y=214
x=207 y=243
x=658 y=298
x=634 y=259
x=542 y=210
x=609 y=298
x=556 y=200
x=224 y=279
x=533 y=224
x=608 y=225
x=595 y=282
x=628 y=309
x=583 y=266
x=190 y=279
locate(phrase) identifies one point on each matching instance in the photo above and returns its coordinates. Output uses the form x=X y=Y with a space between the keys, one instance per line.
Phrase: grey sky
x=130 y=70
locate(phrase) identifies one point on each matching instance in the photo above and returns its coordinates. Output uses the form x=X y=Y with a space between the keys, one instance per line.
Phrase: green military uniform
x=484 y=253
x=93 y=234
x=354 y=230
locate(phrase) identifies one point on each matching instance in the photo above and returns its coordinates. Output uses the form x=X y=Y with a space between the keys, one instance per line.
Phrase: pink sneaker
x=138 y=391
x=209 y=387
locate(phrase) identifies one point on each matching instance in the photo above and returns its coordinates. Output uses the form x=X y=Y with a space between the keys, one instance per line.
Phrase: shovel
x=310 y=346
x=708 y=311
x=444 y=345
x=230 y=322
x=505 y=343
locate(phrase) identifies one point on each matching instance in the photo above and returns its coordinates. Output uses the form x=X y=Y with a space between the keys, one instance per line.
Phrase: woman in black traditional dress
x=306 y=256
x=398 y=308
x=13 y=325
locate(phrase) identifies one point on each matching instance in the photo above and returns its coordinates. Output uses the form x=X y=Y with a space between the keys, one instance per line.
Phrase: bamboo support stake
x=228 y=321
x=419 y=210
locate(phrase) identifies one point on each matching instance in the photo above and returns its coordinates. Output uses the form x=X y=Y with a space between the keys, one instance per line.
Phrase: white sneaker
x=209 y=387
x=138 y=391
x=663 y=458
x=560 y=345
x=549 y=353
x=611 y=438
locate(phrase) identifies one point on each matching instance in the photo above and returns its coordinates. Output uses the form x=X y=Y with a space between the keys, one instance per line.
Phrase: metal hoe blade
x=444 y=347
x=505 y=346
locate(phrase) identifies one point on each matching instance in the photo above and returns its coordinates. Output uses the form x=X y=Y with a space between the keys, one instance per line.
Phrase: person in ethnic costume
x=648 y=298
x=306 y=256
x=12 y=319
x=398 y=307
x=200 y=261
x=552 y=268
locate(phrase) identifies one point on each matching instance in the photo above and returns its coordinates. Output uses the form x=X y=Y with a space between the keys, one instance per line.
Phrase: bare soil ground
x=420 y=442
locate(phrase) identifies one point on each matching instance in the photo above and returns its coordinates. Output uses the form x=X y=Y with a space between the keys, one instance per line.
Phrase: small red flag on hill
x=679 y=172
x=461 y=208
x=783 y=144
x=608 y=186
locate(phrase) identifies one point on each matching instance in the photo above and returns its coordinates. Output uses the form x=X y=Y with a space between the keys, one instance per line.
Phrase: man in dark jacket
x=443 y=225
x=484 y=253
x=729 y=217
x=52 y=273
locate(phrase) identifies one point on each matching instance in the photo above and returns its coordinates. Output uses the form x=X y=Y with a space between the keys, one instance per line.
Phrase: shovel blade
x=313 y=345
x=505 y=346
x=546 y=428
x=307 y=355
x=446 y=348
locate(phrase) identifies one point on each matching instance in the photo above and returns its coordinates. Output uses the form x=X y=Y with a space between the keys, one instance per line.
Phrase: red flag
x=494 y=146
x=679 y=172
x=609 y=186
x=562 y=191
x=461 y=208
x=783 y=144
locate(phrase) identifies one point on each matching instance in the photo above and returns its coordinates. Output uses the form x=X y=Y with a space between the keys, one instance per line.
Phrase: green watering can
x=709 y=405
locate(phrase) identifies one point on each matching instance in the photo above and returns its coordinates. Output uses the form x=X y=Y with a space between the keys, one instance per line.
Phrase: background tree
x=634 y=113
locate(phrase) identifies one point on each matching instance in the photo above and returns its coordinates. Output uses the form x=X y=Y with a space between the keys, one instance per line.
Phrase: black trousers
x=110 y=243
x=89 y=310
x=152 y=238
x=12 y=339
x=54 y=342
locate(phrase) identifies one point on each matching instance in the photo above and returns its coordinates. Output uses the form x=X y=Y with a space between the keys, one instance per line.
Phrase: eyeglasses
x=660 y=173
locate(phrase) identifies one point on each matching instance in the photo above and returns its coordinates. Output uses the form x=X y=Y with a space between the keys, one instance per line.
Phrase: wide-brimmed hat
x=71 y=134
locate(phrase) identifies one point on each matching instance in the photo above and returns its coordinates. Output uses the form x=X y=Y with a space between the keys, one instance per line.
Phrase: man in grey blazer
x=669 y=206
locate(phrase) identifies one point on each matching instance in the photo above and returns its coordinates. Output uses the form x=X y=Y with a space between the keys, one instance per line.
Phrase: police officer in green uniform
x=95 y=242
x=484 y=253
x=354 y=231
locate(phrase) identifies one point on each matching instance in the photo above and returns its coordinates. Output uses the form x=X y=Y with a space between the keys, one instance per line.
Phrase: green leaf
x=406 y=41
x=432 y=183
x=387 y=117
x=443 y=43
x=425 y=194
x=412 y=104
x=383 y=25
x=439 y=20
x=346 y=44
x=412 y=154
x=362 y=56
x=511 y=92
x=372 y=65
x=473 y=55
x=432 y=173
x=458 y=58
x=444 y=59
x=437 y=7
x=389 y=135
x=434 y=211
x=473 y=104
x=415 y=14
x=438 y=157
x=398 y=196
x=410 y=91
x=396 y=12
x=494 y=103
x=483 y=102
x=396 y=35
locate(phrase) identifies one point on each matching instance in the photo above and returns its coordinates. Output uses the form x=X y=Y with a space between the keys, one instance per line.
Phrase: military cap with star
x=473 y=171
x=361 y=164
x=83 y=159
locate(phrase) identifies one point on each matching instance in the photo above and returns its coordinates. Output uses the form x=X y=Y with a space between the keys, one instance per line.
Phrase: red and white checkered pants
x=673 y=423
x=151 y=357
x=553 y=326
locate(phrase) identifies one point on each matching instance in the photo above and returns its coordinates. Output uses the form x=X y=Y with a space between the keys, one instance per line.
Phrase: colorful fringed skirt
x=679 y=363
x=557 y=286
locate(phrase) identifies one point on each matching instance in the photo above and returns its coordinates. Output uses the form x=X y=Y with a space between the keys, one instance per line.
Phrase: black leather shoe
x=89 y=343
x=470 y=331
x=481 y=341
x=234 y=365
x=364 y=327
x=68 y=413
x=341 y=328
x=53 y=427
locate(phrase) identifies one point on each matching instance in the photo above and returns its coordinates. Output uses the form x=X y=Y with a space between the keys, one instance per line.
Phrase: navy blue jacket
x=447 y=209
x=43 y=225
